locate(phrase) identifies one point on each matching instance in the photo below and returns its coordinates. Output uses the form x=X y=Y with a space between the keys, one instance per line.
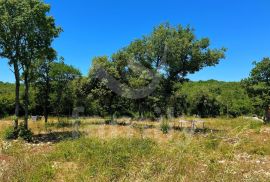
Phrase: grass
x=229 y=150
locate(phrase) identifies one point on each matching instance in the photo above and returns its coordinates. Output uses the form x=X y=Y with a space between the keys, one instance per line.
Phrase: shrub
x=165 y=127
x=10 y=133
x=25 y=134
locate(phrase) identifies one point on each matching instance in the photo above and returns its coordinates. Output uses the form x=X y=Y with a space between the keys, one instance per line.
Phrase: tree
x=170 y=52
x=107 y=98
x=12 y=43
x=206 y=105
x=39 y=34
x=43 y=82
x=61 y=76
x=258 y=84
x=26 y=35
x=174 y=52
x=179 y=53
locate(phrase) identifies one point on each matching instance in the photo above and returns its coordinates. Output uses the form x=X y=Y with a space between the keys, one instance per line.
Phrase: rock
x=221 y=162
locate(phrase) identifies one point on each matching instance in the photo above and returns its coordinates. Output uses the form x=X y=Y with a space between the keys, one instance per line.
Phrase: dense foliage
x=26 y=35
x=7 y=98
x=147 y=78
x=204 y=98
x=258 y=86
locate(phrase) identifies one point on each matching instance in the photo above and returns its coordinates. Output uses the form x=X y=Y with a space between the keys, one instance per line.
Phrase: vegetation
x=128 y=93
x=236 y=150
x=158 y=62
x=26 y=36
x=164 y=126
x=222 y=99
x=258 y=85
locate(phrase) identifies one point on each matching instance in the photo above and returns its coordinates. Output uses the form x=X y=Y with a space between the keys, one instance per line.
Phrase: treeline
x=7 y=99
x=216 y=98
x=204 y=98
x=147 y=78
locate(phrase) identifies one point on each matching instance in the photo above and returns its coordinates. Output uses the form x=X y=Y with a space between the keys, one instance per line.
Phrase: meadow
x=129 y=150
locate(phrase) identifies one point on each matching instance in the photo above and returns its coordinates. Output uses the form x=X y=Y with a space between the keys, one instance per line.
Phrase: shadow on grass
x=197 y=130
x=55 y=137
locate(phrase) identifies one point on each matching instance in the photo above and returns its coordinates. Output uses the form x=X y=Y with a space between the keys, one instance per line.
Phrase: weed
x=164 y=126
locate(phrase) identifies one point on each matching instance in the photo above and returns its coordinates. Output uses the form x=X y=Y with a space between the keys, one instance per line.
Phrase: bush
x=25 y=134
x=10 y=133
x=164 y=126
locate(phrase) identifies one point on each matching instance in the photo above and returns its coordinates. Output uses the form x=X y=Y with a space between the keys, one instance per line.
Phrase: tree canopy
x=258 y=85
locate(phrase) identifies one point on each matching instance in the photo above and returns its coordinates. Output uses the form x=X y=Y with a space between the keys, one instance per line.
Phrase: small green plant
x=164 y=126
x=10 y=133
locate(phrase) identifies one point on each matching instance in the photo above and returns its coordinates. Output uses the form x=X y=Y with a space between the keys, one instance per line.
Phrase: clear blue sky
x=99 y=27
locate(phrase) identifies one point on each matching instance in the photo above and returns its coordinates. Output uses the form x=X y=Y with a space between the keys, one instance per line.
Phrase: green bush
x=165 y=127
x=25 y=134
x=10 y=133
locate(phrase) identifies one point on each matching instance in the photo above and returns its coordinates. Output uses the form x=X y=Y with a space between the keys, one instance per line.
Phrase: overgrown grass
x=229 y=150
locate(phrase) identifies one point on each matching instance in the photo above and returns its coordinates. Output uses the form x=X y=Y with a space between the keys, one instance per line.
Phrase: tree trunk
x=17 y=97
x=46 y=112
x=267 y=115
x=141 y=108
x=167 y=95
x=26 y=99
x=46 y=118
x=45 y=107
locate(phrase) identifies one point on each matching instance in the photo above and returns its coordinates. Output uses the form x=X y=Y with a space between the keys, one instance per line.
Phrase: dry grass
x=228 y=150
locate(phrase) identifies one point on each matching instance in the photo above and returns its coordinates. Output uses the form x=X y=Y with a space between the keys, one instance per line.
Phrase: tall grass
x=230 y=150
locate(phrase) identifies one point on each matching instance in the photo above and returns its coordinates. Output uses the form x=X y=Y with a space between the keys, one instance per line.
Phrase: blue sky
x=99 y=27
